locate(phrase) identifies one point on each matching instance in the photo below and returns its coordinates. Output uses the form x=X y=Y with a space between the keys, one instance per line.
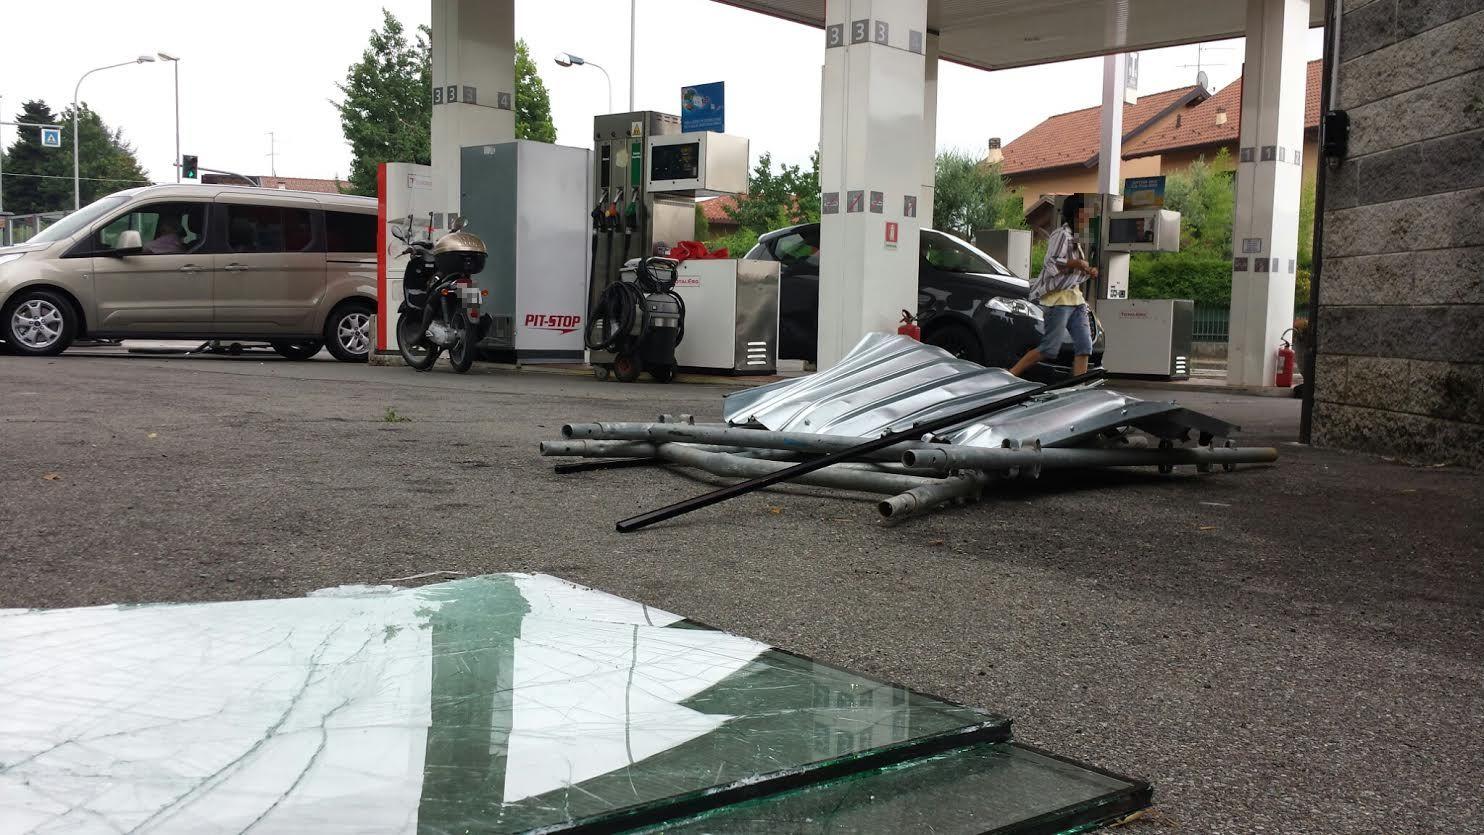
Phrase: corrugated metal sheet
x=889 y=382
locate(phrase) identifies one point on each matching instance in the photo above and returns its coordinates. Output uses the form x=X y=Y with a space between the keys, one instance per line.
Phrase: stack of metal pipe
x=918 y=476
x=914 y=423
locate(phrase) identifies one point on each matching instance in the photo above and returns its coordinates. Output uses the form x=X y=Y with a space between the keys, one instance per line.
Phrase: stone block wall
x=1400 y=368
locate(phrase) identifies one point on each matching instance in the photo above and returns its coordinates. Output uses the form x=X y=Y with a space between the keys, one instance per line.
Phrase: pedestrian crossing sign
x=51 y=137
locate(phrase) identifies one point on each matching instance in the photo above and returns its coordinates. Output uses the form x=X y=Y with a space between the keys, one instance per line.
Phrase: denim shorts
x=1063 y=319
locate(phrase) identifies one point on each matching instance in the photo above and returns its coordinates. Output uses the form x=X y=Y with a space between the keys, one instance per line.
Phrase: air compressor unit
x=732 y=316
x=1148 y=337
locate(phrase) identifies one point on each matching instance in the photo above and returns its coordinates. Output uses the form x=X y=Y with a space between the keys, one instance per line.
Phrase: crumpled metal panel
x=1057 y=419
x=888 y=382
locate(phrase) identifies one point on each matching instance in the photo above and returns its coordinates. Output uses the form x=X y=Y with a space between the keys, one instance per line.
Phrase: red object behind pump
x=688 y=250
x=1285 y=366
x=909 y=326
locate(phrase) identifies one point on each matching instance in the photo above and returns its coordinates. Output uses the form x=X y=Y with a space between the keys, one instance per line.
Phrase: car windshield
x=78 y=219
x=951 y=255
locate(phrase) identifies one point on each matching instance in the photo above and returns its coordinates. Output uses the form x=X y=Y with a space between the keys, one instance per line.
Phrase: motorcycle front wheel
x=461 y=353
x=416 y=351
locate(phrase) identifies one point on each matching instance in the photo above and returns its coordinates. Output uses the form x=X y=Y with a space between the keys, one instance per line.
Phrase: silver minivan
x=294 y=269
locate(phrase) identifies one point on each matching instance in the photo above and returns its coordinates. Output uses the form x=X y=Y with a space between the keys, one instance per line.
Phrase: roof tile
x=715 y=209
x=1072 y=138
x=1198 y=126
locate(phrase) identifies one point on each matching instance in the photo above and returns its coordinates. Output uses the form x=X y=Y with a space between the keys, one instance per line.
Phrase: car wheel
x=296 y=350
x=39 y=323
x=348 y=332
x=958 y=341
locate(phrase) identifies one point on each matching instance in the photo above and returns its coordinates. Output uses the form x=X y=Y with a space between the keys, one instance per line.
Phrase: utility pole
x=175 y=60
x=633 y=18
x=272 y=154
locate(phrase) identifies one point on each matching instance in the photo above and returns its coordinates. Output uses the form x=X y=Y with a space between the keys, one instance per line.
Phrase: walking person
x=1058 y=291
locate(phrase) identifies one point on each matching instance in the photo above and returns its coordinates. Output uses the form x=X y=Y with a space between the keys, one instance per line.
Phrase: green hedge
x=1191 y=275
x=1180 y=275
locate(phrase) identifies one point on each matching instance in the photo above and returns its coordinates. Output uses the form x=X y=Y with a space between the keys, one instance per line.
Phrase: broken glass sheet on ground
x=504 y=703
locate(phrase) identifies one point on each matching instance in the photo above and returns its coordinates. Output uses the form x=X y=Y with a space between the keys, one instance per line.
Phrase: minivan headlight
x=1017 y=307
x=7 y=258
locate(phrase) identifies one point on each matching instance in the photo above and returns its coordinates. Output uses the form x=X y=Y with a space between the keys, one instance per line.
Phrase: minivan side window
x=350 y=232
x=269 y=229
x=165 y=228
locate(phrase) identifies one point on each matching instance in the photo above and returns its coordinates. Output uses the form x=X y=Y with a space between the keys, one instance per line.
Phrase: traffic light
x=188 y=166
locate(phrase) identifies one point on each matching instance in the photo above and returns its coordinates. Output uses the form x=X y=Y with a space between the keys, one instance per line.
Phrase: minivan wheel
x=39 y=323
x=958 y=341
x=348 y=332
x=296 y=350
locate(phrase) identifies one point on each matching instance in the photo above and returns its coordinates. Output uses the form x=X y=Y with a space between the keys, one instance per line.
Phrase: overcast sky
x=272 y=65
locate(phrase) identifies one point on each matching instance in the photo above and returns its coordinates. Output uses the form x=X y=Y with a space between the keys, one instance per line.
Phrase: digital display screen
x=1129 y=230
x=675 y=162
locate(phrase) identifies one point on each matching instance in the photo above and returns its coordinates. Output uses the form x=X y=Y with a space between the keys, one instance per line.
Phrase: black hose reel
x=639 y=320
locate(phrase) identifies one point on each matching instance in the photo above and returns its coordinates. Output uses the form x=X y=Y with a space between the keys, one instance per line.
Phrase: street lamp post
x=567 y=59
x=76 y=171
x=175 y=59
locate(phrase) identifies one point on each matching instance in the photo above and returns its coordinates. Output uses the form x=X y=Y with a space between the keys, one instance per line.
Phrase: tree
x=387 y=110
x=773 y=200
x=532 y=102
x=1205 y=197
x=39 y=179
x=969 y=195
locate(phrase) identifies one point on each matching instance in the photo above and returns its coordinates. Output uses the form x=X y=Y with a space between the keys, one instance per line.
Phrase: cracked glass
x=499 y=703
x=989 y=787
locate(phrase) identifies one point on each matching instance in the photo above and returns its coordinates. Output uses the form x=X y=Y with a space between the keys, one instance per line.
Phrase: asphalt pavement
x=1294 y=648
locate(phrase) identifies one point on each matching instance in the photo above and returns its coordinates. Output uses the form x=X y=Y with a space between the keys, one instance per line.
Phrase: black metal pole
x=1327 y=94
x=917 y=430
x=605 y=464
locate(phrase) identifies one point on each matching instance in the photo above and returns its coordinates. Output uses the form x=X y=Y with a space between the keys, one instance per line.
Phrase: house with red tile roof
x=1163 y=133
x=1060 y=155
x=1214 y=124
x=719 y=224
x=289 y=183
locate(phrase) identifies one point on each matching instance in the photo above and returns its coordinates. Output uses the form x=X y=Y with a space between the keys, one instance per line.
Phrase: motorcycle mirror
x=459 y=223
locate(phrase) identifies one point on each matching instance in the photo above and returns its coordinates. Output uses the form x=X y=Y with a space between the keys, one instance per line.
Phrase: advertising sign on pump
x=703 y=108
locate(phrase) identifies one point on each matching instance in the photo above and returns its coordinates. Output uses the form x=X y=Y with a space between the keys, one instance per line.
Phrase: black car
x=967 y=302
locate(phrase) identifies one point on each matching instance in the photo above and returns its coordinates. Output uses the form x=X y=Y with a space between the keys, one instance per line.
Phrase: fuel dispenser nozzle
x=599 y=213
x=614 y=215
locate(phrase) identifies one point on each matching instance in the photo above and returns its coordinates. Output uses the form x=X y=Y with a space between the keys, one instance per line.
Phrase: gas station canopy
x=998 y=34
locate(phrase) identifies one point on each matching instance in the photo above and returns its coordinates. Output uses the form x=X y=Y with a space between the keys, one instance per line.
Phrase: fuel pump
x=647 y=177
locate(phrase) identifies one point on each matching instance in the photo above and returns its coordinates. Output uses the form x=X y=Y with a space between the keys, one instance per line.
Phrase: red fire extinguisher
x=1285 y=361
x=909 y=326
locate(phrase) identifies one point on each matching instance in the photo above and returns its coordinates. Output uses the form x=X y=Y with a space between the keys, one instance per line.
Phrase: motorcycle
x=440 y=304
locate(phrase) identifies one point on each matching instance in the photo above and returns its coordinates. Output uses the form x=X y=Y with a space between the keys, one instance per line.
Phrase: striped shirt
x=1057 y=285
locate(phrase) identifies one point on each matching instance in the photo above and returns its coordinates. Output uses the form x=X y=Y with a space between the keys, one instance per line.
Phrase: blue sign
x=1144 y=193
x=703 y=107
x=51 y=137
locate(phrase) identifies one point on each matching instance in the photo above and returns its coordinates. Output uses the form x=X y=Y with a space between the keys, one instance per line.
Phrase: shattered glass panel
x=498 y=703
x=992 y=787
